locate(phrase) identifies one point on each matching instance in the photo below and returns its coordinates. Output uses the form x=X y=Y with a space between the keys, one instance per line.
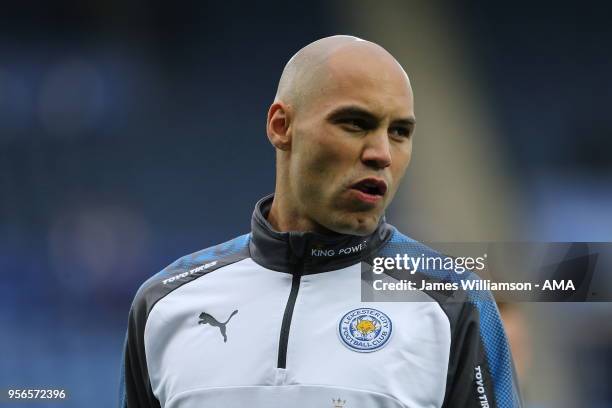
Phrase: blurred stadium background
x=132 y=133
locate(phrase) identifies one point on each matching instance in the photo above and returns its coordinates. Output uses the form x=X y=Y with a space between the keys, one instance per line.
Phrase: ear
x=278 y=126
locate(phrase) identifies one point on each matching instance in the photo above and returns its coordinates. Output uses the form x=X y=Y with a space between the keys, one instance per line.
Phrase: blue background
x=133 y=134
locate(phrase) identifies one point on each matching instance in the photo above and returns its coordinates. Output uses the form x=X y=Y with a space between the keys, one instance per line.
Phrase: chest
x=247 y=328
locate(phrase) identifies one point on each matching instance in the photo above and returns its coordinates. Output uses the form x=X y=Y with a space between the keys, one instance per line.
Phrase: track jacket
x=273 y=319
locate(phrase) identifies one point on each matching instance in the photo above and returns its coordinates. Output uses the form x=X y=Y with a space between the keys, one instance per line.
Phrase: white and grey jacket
x=273 y=319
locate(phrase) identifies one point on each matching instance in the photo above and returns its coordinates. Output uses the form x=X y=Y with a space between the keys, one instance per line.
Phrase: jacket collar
x=313 y=252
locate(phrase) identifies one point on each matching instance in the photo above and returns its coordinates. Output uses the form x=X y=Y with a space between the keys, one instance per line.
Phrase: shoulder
x=186 y=269
x=476 y=326
x=458 y=301
x=402 y=244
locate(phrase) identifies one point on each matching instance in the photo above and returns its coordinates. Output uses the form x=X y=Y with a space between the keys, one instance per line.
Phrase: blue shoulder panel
x=491 y=329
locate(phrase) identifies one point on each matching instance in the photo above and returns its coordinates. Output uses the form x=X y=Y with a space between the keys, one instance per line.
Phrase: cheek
x=321 y=154
x=405 y=154
x=401 y=160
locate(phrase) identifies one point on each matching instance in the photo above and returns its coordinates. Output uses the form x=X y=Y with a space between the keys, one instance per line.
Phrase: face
x=351 y=145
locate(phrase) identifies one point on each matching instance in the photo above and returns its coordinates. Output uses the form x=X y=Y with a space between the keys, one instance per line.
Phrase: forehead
x=370 y=78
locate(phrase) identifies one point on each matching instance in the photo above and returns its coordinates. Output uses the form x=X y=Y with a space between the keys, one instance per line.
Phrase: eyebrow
x=357 y=111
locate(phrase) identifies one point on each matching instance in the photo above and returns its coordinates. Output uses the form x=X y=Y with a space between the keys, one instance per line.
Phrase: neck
x=285 y=217
x=316 y=252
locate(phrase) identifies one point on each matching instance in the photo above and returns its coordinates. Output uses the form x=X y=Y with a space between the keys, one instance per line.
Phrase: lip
x=363 y=196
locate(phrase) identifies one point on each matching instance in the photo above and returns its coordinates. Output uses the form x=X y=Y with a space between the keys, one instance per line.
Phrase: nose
x=376 y=152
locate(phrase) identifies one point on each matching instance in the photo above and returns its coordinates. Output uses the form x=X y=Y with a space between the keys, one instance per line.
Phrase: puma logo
x=205 y=318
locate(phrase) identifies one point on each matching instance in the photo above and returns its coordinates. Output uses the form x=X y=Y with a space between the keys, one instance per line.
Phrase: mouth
x=370 y=190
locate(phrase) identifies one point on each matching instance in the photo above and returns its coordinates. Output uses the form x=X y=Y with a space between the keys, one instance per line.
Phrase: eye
x=399 y=132
x=355 y=125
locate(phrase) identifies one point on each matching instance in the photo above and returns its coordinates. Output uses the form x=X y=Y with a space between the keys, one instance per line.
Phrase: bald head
x=343 y=113
x=309 y=71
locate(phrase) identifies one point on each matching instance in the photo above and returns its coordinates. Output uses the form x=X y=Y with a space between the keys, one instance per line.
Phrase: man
x=274 y=318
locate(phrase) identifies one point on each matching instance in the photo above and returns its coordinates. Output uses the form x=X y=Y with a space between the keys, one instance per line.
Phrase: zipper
x=286 y=325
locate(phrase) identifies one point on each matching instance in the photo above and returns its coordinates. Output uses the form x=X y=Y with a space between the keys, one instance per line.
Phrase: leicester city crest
x=365 y=329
